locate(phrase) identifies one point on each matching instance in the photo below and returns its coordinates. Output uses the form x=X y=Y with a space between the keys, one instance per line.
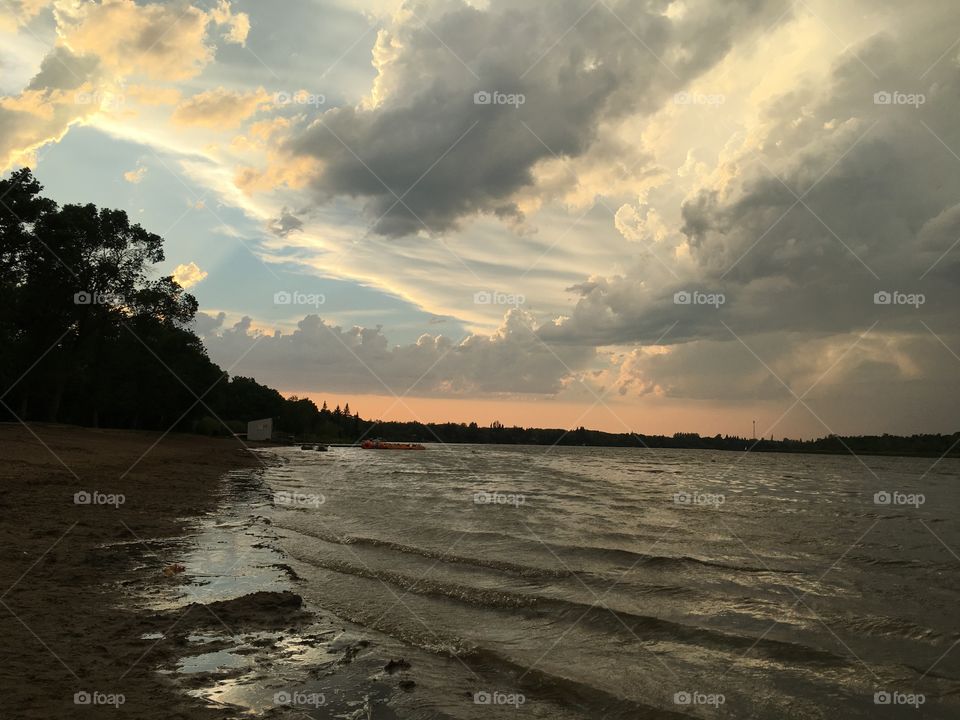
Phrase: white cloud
x=188 y=275
x=136 y=175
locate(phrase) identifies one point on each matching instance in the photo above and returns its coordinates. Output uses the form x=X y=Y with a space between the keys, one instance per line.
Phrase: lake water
x=627 y=583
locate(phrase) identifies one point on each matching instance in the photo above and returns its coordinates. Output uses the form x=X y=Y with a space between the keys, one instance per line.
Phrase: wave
x=640 y=559
x=644 y=627
x=874 y=626
x=612 y=555
x=523 y=571
x=566 y=691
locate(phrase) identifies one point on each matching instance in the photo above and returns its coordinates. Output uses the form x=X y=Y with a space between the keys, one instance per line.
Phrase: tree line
x=90 y=336
x=927 y=445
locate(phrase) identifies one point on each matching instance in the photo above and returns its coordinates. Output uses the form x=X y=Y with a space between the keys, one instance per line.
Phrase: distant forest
x=89 y=336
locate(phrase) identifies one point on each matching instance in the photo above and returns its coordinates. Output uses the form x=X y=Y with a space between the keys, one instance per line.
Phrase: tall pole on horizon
x=754 y=429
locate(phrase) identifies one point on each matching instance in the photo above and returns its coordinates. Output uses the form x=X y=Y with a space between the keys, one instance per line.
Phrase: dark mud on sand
x=66 y=621
x=234 y=632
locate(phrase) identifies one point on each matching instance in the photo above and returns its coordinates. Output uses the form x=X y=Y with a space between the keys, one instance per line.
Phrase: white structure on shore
x=260 y=429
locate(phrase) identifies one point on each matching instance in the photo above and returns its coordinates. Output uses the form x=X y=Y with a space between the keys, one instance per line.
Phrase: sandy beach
x=65 y=626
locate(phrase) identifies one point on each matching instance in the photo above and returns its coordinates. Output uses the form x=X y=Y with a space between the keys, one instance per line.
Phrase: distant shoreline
x=760 y=448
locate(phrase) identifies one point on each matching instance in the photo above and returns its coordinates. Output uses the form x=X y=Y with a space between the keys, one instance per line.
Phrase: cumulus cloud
x=321 y=355
x=20 y=12
x=66 y=90
x=152 y=94
x=63 y=69
x=237 y=24
x=837 y=202
x=161 y=40
x=188 y=274
x=35 y=117
x=220 y=108
x=100 y=46
x=575 y=63
x=884 y=381
x=136 y=175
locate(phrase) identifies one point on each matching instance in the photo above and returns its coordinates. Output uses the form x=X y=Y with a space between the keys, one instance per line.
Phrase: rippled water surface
x=589 y=582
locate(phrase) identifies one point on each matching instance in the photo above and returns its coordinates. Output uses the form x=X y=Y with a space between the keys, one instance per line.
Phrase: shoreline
x=67 y=626
x=87 y=608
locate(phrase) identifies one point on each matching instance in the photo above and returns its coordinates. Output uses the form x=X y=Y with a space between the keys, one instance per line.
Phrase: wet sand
x=66 y=618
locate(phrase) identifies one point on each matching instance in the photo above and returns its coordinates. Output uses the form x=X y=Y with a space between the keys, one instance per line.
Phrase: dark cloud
x=286 y=223
x=575 y=63
x=61 y=69
x=878 y=210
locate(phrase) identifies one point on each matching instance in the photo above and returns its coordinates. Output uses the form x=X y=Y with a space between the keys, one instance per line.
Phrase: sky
x=635 y=215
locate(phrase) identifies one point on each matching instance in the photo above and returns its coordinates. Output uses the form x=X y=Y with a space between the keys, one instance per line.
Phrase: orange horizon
x=646 y=416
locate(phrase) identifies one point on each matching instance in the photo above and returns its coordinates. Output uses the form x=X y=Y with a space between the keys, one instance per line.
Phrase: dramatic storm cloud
x=836 y=218
x=478 y=97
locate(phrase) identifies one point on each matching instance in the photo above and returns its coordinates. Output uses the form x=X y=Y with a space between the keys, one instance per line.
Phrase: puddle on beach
x=258 y=652
x=211 y=662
